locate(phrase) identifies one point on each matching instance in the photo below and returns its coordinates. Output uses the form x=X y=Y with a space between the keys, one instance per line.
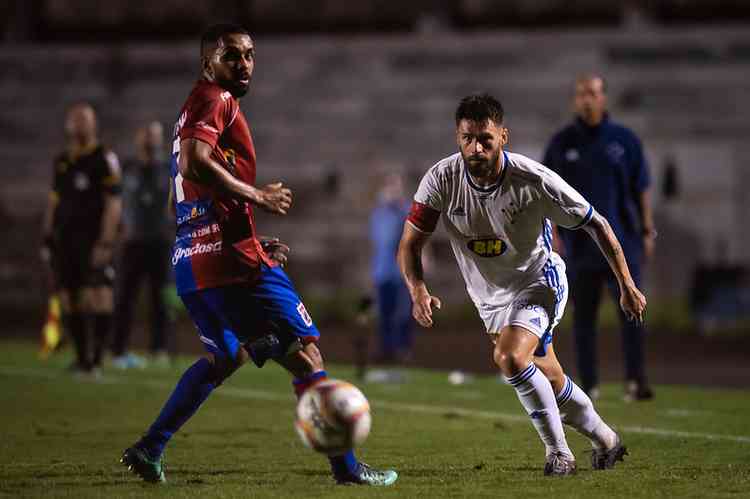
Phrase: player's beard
x=239 y=90
x=485 y=169
x=234 y=87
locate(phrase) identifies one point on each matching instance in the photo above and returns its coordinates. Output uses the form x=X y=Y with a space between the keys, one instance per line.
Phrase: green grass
x=64 y=438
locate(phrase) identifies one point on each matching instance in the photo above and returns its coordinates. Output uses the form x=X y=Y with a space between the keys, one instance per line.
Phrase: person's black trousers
x=586 y=293
x=141 y=260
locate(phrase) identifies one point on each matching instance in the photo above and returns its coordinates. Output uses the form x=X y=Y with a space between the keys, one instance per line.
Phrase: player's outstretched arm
x=632 y=301
x=410 y=262
x=196 y=165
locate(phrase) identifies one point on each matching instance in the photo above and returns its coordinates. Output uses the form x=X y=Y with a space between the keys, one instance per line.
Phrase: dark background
x=346 y=91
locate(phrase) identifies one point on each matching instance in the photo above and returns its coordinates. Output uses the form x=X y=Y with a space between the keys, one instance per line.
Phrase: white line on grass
x=247 y=393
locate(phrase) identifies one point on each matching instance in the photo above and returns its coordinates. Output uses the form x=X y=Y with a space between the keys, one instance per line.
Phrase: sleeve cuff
x=586 y=219
x=202 y=135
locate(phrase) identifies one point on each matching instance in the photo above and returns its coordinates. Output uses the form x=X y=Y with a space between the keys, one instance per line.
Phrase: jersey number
x=179 y=192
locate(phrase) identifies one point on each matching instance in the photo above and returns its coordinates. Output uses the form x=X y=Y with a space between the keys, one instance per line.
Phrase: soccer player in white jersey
x=496 y=207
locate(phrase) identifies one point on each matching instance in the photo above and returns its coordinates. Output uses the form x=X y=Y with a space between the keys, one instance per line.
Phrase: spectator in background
x=392 y=298
x=147 y=245
x=79 y=230
x=604 y=161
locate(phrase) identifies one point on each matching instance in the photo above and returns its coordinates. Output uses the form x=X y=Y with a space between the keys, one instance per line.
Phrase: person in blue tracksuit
x=395 y=323
x=604 y=161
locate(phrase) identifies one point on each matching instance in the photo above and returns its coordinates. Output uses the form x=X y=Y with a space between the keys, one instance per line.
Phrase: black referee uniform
x=81 y=182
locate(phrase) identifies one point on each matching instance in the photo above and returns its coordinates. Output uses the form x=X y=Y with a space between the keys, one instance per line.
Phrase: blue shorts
x=230 y=316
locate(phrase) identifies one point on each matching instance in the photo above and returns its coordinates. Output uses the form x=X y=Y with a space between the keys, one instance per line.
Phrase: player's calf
x=513 y=353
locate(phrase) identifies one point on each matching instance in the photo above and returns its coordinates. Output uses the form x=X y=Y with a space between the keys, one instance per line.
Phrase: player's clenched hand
x=633 y=303
x=422 y=308
x=277 y=250
x=275 y=198
x=101 y=255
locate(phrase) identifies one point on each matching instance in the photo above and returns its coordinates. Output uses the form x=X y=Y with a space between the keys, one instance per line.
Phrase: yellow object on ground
x=52 y=329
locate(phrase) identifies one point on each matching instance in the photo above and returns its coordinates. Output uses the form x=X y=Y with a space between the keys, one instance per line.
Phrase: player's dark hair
x=212 y=34
x=480 y=108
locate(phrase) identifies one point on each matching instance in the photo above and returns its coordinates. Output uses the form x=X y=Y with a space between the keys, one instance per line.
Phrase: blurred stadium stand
x=360 y=105
x=55 y=20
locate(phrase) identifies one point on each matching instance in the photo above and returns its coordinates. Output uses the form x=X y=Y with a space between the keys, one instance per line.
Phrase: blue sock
x=302 y=384
x=190 y=392
x=344 y=465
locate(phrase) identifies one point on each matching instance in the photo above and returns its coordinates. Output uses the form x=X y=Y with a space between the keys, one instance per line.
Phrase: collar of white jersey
x=490 y=188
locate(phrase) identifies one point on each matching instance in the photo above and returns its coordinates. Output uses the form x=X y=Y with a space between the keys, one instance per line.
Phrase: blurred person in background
x=392 y=297
x=147 y=246
x=604 y=161
x=79 y=233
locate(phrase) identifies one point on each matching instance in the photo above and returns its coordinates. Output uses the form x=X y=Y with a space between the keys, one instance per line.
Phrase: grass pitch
x=63 y=438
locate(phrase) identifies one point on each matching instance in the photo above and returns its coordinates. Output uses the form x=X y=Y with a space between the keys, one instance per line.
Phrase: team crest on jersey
x=230 y=156
x=81 y=181
x=195 y=212
x=615 y=151
x=488 y=247
x=304 y=315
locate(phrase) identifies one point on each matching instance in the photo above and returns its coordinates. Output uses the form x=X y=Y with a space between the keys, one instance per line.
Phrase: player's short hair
x=480 y=108
x=592 y=76
x=213 y=33
x=79 y=104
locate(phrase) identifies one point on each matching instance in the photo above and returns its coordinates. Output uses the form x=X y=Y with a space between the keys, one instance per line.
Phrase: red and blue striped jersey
x=216 y=242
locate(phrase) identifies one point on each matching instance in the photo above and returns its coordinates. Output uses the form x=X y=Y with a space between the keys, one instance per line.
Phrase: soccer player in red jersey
x=243 y=304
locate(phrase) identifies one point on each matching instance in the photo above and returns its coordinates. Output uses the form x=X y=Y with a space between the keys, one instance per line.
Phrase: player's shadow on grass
x=309 y=472
x=116 y=479
x=193 y=472
x=224 y=431
x=77 y=473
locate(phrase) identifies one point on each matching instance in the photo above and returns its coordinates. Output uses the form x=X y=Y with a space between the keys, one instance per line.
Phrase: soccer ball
x=333 y=417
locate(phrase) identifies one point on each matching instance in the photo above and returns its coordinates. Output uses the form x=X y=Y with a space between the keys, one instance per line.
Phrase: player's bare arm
x=49 y=215
x=410 y=262
x=197 y=166
x=102 y=252
x=632 y=301
x=171 y=210
x=647 y=224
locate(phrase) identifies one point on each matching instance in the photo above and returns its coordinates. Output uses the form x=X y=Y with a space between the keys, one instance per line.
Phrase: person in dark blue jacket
x=604 y=161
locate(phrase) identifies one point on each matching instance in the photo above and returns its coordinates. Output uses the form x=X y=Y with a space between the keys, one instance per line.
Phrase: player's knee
x=66 y=304
x=556 y=379
x=511 y=362
x=100 y=299
x=223 y=366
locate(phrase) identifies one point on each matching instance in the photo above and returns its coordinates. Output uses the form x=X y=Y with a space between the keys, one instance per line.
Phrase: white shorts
x=537 y=308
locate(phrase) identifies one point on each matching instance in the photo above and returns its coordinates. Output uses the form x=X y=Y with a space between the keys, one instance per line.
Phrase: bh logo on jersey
x=489 y=247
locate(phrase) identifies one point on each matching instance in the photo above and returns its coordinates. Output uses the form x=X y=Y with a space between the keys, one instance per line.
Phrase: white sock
x=537 y=397
x=577 y=411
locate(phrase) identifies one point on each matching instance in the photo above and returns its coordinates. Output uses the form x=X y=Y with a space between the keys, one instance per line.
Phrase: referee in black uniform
x=79 y=230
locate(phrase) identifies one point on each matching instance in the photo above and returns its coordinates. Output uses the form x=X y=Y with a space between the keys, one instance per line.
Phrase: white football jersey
x=501 y=234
